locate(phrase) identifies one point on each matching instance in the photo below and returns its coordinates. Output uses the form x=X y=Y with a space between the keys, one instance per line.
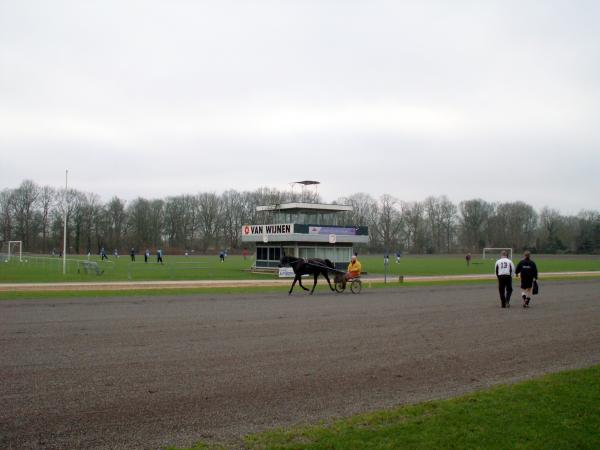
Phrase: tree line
x=207 y=222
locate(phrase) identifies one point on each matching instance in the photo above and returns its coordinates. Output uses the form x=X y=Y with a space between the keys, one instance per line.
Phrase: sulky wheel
x=356 y=286
x=340 y=286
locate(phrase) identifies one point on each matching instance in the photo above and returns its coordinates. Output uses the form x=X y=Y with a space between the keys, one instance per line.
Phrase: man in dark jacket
x=528 y=271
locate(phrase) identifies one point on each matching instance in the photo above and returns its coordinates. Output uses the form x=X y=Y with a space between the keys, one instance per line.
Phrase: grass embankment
x=158 y=292
x=558 y=411
x=46 y=269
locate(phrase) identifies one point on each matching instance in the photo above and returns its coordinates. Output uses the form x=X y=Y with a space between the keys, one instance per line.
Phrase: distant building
x=304 y=230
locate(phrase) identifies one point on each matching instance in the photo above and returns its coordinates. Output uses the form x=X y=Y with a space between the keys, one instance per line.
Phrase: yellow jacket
x=354 y=267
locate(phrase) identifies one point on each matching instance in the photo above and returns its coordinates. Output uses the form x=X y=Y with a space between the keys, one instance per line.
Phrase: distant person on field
x=103 y=254
x=398 y=255
x=116 y=253
x=159 y=256
x=146 y=255
x=222 y=256
x=528 y=271
x=468 y=258
x=504 y=271
x=245 y=253
x=132 y=254
x=354 y=268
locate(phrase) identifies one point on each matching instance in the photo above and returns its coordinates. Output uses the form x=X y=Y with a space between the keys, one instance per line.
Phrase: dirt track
x=151 y=372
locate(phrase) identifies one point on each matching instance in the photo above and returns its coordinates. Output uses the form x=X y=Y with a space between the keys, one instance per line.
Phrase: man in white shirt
x=504 y=271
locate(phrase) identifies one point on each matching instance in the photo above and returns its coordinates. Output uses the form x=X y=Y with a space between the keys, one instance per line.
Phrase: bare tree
x=47 y=201
x=6 y=214
x=413 y=216
x=513 y=225
x=90 y=222
x=448 y=219
x=588 y=237
x=24 y=202
x=139 y=220
x=435 y=231
x=181 y=220
x=116 y=222
x=474 y=218
x=156 y=227
x=174 y=221
x=389 y=223
x=265 y=196
x=365 y=212
x=557 y=233
x=210 y=215
x=69 y=201
x=234 y=217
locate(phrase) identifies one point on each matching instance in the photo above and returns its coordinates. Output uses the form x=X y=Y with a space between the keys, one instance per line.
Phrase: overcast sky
x=471 y=99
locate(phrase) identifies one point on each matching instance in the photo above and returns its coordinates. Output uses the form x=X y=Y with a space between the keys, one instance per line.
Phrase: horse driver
x=354 y=268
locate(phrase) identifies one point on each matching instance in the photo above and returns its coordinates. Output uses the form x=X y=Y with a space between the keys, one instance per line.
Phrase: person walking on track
x=504 y=271
x=528 y=271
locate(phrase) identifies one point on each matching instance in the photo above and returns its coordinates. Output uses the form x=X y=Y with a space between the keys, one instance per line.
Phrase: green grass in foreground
x=558 y=411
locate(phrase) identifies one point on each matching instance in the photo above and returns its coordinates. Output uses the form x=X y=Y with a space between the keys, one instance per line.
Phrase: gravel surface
x=151 y=372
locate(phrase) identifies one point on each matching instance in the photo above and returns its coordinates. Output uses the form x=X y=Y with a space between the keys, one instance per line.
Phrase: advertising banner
x=280 y=228
x=339 y=231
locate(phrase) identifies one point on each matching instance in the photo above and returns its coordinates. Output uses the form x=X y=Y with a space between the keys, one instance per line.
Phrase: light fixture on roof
x=307 y=182
x=305 y=185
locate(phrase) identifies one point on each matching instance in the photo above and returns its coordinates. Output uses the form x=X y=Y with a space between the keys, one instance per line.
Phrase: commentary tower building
x=304 y=230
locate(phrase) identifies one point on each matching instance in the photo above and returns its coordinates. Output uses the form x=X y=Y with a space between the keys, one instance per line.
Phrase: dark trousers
x=505 y=288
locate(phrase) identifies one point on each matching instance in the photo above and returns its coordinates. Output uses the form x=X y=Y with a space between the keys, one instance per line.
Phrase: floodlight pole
x=65 y=226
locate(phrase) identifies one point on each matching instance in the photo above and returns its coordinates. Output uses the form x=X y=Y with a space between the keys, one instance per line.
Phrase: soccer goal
x=494 y=252
x=12 y=249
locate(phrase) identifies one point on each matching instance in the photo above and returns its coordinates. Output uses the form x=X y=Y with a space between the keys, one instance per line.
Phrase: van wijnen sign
x=281 y=228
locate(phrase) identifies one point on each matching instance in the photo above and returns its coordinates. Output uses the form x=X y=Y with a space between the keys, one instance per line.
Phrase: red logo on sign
x=246 y=229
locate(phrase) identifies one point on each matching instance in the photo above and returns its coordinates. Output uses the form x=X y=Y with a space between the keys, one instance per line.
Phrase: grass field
x=558 y=411
x=46 y=269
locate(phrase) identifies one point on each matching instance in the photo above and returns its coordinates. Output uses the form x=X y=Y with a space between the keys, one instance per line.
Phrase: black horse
x=311 y=266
